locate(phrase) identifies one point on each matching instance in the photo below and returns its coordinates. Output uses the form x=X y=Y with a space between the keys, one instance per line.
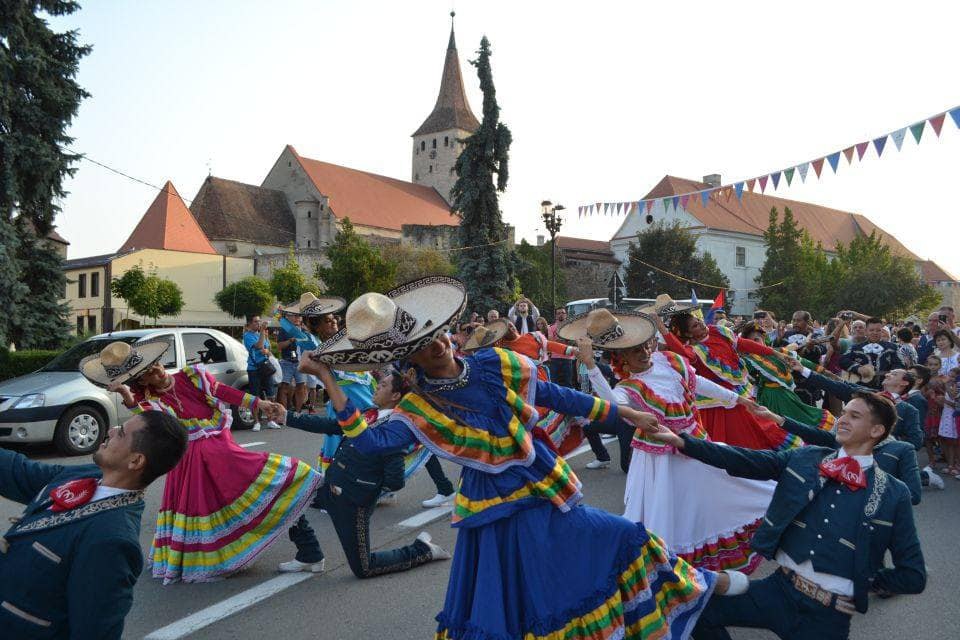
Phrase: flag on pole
x=696 y=312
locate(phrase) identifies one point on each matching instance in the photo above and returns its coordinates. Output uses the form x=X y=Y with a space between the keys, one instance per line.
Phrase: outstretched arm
x=737 y=461
x=810 y=435
x=21 y=478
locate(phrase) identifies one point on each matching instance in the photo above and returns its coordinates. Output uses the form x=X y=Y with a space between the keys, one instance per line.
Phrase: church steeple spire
x=452 y=111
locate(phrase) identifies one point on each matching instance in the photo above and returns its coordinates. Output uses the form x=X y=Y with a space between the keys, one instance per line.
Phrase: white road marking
x=432 y=515
x=228 y=607
x=428 y=516
x=251 y=444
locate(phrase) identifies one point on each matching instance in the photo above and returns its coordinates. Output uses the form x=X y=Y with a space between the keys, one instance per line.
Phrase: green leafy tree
x=410 y=263
x=38 y=99
x=146 y=295
x=870 y=278
x=533 y=274
x=42 y=318
x=488 y=269
x=671 y=248
x=355 y=266
x=250 y=296
x=289 y=281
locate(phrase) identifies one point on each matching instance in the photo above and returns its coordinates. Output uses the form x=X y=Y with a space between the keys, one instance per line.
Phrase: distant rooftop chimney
x=540 y=241
x=712 y=180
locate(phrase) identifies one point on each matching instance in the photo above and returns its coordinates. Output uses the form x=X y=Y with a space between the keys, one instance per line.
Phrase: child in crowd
x=906 y=350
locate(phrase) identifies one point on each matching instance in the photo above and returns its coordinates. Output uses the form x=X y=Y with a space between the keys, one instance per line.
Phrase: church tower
x=435 y=146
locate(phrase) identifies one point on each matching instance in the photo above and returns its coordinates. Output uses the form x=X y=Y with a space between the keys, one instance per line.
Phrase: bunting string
x=855 y=152
x=698 y=283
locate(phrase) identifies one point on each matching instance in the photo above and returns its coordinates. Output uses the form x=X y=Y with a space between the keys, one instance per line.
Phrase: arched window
x=446 y=141
x=431 y=169
x=308 y=215
x=434 y=143
x=423 y=145
x=308 y=244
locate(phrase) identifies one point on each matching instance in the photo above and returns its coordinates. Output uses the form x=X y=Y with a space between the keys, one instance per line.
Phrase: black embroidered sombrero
x=607 y=330
x=487 y=335
x=386 y=328
x=311 y=305
x=122 y=362
x=666 y=306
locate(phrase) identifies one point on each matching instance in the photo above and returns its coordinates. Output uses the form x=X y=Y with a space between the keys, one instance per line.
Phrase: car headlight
x=31 y=401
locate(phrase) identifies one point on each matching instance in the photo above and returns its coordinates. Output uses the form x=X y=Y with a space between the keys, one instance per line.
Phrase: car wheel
x=80 y=430
x=243 y=419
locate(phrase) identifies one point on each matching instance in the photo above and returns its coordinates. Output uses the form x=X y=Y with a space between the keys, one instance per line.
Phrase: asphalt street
x=260 y=603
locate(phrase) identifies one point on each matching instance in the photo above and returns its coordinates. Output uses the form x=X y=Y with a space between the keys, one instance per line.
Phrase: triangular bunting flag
x=955 y=114
x=788 y=174
x=817 y=166
x=879 y=144
x=898 y=137
x=834 y=159
x=849 y=153
x=763 y=183
x=750 y=183
x=676 y=201
x=728 y=192
x=937 y=123
x=705 y=196
x=684 y=199
x=803 y=168
x=862 y=149
x=917 y=130
x=775 y=177
x=739 y=189
x=666 y=204
x=598 y=208
x=649 y=206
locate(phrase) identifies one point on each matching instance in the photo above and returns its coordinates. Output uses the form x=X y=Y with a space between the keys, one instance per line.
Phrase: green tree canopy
x=289 y=281
x=38 y=100
x=488 y=269
x=533 y=274
x=355 y=266
x=671 y=248
x=410 y=263
x=146 y=295
x=250 y=296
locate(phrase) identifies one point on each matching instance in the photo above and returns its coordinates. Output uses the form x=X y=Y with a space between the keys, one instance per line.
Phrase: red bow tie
x=889 y=396
x=846 y=471
x=73 y=494
x=371 y=415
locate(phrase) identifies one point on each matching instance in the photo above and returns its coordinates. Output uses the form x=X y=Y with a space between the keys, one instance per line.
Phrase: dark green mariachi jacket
x=897 y=458
x=360 y=477
x=884 y=523
x=66 y=574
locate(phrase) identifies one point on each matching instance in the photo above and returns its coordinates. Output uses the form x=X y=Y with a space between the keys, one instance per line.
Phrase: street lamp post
x=553 y=222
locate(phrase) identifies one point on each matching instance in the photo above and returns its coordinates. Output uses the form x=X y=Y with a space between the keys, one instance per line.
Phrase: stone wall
x=587 y=279
x=427 y=236
x=306 y=258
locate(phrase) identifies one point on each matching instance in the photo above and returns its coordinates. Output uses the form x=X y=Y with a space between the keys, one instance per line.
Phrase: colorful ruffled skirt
x=703 y=514
x=740 y=428
x=785 y=402
x=223 y=506
x=541 y=574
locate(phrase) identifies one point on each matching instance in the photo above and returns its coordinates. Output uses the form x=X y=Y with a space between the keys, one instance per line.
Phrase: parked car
x=57 y=404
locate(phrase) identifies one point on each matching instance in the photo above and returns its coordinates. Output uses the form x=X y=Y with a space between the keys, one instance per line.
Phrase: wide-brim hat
x=383 y=328
x=122 y=362
x=609 y=330
x=666 y=306
x=487 y=335
x=311 y=305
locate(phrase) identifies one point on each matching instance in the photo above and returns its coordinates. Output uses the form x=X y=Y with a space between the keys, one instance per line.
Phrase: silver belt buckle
x=335 y=490
x=4 y=545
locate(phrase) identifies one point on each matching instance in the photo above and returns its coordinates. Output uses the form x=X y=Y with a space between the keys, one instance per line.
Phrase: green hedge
x=18 y=363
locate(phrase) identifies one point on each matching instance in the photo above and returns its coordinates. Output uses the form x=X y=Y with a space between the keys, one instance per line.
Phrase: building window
x=446 y=141
x=321 y=206
x=416 y=177
x=308 y=215
x=431 y=169
x=308 y=244
x=82 y=285
x=434 y=143
x=94 y=285
x=79 y=325
x=741 y=256
x=92 y=324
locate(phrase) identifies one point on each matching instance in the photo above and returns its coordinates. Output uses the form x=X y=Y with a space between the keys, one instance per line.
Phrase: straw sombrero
x=487 y=335
x=666 y=306
x=311 y=305
x=122 y=362
x=607 y=330
x=386 y=328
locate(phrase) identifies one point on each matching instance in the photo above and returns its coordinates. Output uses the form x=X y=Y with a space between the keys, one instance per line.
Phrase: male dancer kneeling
x=352 y=484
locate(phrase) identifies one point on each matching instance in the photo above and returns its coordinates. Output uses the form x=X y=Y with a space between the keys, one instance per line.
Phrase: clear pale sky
x=603 y=99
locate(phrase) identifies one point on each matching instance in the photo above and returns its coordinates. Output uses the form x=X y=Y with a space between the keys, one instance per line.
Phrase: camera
x=846 y=316
x=943 y=318
x=759 y=315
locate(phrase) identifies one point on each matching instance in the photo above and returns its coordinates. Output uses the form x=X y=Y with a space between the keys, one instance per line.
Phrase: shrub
x=19 y=363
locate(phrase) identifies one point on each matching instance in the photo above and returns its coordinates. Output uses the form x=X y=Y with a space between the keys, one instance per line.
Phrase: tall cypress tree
x=487 y=270
x=38 y=99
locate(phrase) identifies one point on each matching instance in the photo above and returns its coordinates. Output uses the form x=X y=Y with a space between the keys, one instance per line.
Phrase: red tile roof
x=825 y=225
x=583 y=244
x=932 y=272
x=168 y=224
x=452 y=111
x=230 y=210
x=372 y=200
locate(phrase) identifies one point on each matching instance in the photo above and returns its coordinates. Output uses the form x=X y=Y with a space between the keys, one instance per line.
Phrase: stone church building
x=301 y=201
